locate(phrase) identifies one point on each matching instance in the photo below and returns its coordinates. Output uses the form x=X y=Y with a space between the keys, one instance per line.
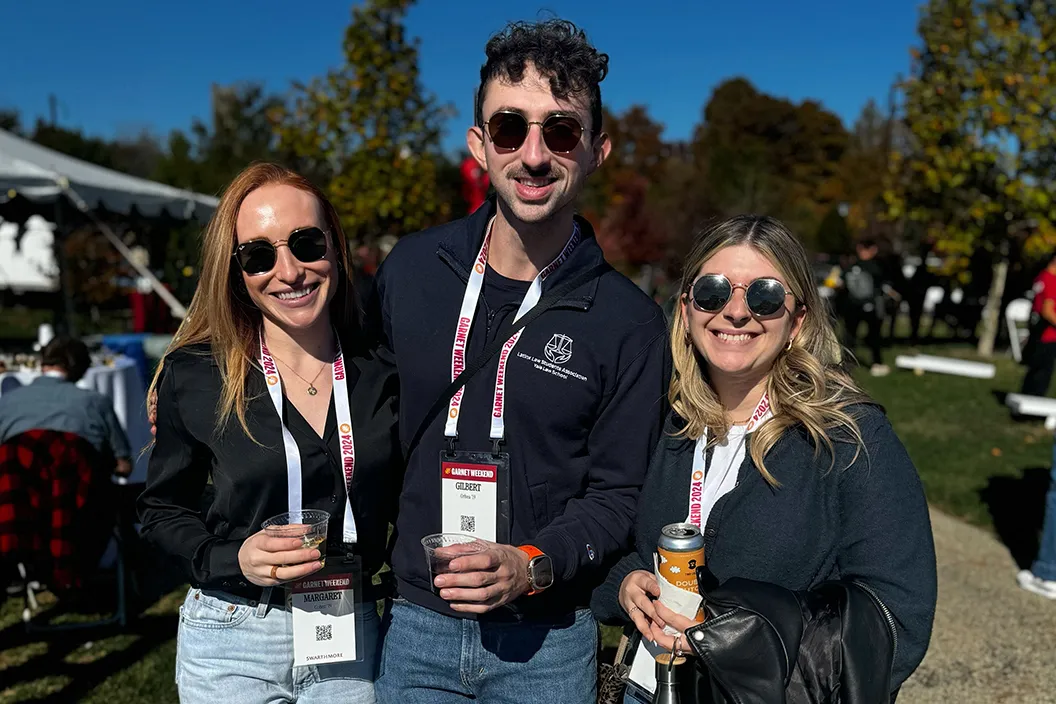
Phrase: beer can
x=680 y=551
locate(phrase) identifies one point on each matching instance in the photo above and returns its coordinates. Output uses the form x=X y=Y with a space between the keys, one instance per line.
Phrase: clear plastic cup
x=442 y=548
x=307 y=524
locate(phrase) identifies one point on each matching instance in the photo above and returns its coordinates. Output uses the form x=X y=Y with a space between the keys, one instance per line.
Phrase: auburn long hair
x=807 y=384
x=221 y=313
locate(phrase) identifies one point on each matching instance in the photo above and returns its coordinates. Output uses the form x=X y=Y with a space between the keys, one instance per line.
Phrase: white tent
x=43 y=175
x=27 y=263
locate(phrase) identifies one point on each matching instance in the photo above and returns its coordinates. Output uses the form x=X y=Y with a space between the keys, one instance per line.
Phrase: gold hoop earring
x=788 y=347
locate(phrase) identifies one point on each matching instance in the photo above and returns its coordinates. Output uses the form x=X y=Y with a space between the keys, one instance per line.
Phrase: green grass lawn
x=975 y=462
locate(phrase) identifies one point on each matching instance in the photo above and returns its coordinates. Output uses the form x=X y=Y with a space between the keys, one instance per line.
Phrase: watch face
x=542 y=570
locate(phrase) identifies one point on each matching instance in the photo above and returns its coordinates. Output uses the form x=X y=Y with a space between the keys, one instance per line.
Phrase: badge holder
x=475 y=491
x=326 y=606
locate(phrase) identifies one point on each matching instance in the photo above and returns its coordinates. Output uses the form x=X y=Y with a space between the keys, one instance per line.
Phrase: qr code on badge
x=324 y=632
x=469 y=524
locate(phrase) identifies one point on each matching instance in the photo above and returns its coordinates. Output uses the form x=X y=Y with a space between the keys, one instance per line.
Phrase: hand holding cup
x=291 y=546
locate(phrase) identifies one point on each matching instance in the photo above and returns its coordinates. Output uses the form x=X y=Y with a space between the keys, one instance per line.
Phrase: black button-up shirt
x=248 y=475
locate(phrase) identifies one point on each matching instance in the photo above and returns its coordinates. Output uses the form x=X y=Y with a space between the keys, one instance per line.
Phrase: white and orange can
x=680 y=551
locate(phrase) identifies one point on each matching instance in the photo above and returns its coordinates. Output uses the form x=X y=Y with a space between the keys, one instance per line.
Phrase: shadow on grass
x=65 y=666
x=68 y=658
x=1017 y=508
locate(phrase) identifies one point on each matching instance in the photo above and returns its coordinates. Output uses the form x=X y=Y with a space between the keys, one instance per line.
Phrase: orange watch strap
x=531 y=551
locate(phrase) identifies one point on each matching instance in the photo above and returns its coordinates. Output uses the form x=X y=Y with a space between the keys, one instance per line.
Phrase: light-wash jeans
x=230 y=650
x=431 y=658
x=1044 y=566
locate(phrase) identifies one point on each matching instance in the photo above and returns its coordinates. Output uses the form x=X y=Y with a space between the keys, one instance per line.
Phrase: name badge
x=475 y=495
x=325 y=627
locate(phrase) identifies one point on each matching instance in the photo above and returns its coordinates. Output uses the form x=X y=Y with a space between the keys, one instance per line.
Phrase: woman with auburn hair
x=268 y=393
x=791 y=474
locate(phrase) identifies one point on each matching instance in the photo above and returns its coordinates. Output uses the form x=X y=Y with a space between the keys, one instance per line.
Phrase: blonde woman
x=792 y=475
x=267 y=393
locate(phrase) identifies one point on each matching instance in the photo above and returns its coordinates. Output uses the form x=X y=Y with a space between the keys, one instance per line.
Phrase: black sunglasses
x=764 y=296
x=508 y=130
x=308 y=244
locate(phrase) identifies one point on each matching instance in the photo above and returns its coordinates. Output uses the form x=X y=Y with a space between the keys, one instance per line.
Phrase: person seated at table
x=53 y=401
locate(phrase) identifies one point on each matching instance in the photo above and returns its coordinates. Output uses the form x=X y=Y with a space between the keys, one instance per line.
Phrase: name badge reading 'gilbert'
x=325 y=627
x=470 y=497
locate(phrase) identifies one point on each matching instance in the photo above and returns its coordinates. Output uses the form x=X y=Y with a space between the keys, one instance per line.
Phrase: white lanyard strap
x=346 y=443
x=293 y=453
x=703 y=493
x=465 y=322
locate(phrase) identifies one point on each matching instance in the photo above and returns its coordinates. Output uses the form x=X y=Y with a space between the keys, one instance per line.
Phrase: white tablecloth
x=122 y=385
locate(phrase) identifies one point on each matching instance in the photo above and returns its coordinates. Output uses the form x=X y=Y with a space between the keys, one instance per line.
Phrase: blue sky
x=120 y=66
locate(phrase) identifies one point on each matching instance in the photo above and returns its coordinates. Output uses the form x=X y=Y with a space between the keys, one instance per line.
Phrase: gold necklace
x=312 y=391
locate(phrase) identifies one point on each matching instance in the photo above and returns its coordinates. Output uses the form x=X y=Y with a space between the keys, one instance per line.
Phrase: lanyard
x=344 y=429
x=465 y=321
x=704 y=493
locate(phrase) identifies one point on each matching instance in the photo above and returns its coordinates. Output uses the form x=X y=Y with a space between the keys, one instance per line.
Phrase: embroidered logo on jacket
x=559 y=349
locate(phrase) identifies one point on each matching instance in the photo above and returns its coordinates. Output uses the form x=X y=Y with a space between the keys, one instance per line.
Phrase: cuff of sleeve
x=561 y=553
x=218 y=564
x=605 y=602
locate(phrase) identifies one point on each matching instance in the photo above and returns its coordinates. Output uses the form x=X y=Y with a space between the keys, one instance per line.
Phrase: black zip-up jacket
x=865 y=521
x=581 y=419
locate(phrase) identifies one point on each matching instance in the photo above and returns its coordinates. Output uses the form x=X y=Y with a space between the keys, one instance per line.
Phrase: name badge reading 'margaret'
x=324 y=616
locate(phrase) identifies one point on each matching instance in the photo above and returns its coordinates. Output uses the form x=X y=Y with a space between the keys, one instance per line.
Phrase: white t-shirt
x=720 y=475
x=719 y=478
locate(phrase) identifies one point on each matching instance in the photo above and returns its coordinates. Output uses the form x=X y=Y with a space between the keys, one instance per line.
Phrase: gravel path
x=993 y=642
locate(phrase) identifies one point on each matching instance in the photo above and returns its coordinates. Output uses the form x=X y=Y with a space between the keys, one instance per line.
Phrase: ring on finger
x=274 y=569
x=633 y=609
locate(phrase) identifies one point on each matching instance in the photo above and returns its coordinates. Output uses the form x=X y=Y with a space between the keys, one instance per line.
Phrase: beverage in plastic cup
x=308 y=524
x=442 y=548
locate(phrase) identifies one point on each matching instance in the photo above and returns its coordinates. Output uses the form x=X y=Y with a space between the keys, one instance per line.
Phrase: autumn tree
x=619 y=197
x=980 y=107
x=766 y=154
x=861 y=180
x=372 y=129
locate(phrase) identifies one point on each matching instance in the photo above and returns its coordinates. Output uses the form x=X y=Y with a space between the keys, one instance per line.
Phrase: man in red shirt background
x=1040 y=355
x=474 y=183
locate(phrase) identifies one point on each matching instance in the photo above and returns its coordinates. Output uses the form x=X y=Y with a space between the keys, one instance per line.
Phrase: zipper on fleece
x=887 y=615
x=568 y=303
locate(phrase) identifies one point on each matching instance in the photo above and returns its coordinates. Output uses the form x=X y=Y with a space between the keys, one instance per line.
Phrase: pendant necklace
x=312 y=391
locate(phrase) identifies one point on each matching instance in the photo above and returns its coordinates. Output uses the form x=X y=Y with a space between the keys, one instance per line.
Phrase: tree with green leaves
x=10 y=120
x=372 y=129
x=980 y=108
x=241 y=129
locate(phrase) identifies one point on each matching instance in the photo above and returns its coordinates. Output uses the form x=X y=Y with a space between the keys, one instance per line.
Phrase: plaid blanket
x=54 y=506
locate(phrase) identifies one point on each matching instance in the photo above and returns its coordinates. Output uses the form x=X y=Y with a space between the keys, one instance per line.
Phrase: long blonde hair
x=806 y=385
x=221 y=313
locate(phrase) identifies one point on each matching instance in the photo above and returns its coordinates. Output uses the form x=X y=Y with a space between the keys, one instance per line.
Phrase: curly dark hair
x=559 y=50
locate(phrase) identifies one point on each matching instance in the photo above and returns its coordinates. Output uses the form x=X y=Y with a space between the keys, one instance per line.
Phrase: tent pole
x=65 y=322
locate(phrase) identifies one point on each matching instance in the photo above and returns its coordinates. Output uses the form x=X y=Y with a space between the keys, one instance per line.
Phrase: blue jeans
x=1045 y=565
x=230 y=650
x=431 y=658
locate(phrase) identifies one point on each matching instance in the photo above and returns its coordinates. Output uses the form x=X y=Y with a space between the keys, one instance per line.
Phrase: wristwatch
x=540 y=569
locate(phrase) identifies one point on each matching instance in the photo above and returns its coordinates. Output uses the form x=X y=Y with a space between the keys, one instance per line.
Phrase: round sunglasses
x=508 y=130
x=308 y=244
x=764 y=296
